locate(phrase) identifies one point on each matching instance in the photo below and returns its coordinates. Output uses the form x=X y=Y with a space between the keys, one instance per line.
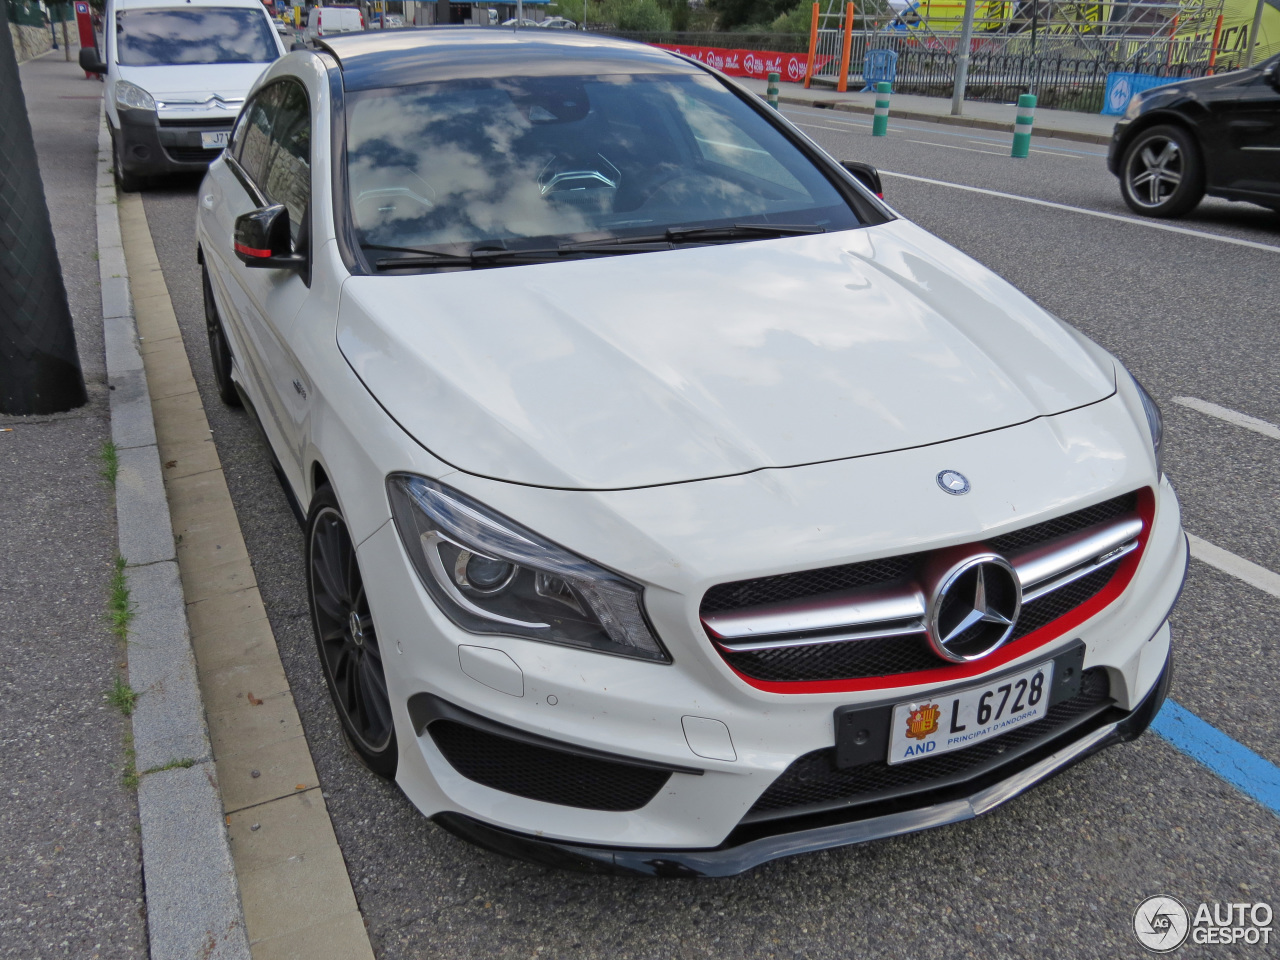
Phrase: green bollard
x=880 y=125
x=771 y=92
x=1022 y=127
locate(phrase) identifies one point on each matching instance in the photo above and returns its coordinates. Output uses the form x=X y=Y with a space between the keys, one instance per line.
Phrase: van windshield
x=157 y=37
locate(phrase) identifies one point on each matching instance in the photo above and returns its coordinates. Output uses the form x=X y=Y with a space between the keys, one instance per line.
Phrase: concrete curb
x=1078 y=136
x=193 y=901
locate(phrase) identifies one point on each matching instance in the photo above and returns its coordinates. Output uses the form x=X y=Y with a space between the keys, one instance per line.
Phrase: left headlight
x=1154 y=421
x=491 y=575
x=133 y=97
x=1134 y=107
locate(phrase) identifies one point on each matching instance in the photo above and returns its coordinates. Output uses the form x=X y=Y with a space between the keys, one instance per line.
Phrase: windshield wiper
x=496 y=257
x=486 y=256
x=672 y=235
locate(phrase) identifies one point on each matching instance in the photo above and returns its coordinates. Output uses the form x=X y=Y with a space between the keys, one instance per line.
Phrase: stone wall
x=30 y=42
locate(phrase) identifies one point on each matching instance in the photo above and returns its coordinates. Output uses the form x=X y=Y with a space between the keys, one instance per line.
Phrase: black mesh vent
x=859 y=659
x=1061 y=526
x=814 y=781
x=542 y=773
x=1051 y=606
x=192 y=154
x=806 y=583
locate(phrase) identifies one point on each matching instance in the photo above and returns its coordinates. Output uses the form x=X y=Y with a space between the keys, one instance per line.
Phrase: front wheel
x=219 y=349
x=127 y=182
x=1161 y=174
x=346 y=638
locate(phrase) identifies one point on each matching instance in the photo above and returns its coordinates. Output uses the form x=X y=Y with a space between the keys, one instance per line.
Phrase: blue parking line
x=1233 y=762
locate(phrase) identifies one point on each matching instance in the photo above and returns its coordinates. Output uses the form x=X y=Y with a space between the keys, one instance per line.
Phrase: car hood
x=700 y=362
x=196 y=85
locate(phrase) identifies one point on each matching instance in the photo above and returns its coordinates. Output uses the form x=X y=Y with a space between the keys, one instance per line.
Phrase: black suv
x=1216 y=135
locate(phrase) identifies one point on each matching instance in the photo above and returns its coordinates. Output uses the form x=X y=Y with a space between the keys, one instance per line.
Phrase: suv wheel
x=219 y=349
x=1161 y=174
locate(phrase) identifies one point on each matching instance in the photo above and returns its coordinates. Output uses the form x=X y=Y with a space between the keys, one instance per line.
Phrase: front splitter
x=731 y=859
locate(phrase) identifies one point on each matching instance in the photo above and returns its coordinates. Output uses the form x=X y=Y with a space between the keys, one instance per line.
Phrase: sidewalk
x=1062 y=124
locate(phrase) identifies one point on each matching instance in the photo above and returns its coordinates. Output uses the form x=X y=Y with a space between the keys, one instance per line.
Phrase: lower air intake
x=543 y=773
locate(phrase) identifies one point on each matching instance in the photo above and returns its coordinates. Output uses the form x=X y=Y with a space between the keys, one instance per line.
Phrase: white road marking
x=952 y=146
x=1149 y=224
x=1265 y=580
x=1231 y=416
x=818 y=126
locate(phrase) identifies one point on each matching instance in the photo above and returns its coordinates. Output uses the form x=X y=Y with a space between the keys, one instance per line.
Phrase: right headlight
x=1155 y=422
x=133 y=97
x=490 y=575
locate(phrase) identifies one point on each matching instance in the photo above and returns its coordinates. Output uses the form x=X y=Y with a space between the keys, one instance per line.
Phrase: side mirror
x=1272 y=75
x=865 y=174
x=262 y=239
x=296 y=46
x=90 y=63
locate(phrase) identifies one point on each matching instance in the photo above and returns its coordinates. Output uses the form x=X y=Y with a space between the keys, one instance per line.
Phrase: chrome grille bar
x=898 y=608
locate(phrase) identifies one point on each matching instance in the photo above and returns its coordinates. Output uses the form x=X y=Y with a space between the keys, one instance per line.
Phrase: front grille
x=889 y=656
x=192 y=154
x=219 y=123
x=813 y=782
x=806 y=583
x=543 y=773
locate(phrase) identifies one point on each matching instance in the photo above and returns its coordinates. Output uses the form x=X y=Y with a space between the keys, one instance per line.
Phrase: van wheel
x=127 y=182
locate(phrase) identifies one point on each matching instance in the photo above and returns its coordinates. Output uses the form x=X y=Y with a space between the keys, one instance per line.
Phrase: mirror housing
x=90 y=63
x=1272 y=75
x=261 y=239
x=865 y=174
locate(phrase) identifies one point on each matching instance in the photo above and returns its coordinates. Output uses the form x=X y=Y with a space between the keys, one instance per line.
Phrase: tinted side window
x=287 y=178
x=252 y=142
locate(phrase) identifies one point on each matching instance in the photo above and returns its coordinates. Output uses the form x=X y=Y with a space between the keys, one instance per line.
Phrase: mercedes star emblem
x=973 y=608
x=953 y=482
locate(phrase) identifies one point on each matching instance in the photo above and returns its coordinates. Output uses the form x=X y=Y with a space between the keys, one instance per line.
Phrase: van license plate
x=214 y=139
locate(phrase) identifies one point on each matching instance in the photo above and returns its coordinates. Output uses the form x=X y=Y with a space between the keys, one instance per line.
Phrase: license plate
x=214 y=139
x=929 y=726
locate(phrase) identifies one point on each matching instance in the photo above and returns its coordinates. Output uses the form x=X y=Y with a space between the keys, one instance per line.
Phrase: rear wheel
x=219 y=349
x=346 y=638
x=1162 y=174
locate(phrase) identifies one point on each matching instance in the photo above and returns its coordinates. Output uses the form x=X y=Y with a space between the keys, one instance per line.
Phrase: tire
x=1162 y=173
x=127 y=182
x=219 y=348
x=346 y=639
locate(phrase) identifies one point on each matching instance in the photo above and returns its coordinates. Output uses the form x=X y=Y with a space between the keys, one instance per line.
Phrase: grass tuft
x=182 y=764
x=119 y=606
x=110 y=458
x=123 y=697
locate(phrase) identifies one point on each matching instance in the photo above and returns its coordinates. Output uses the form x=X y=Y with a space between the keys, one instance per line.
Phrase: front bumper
x=1115 y=149
x=743 y=851
x=150 y=145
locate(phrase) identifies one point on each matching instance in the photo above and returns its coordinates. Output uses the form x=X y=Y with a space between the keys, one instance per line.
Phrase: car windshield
x=515 y=163
x=147 y=38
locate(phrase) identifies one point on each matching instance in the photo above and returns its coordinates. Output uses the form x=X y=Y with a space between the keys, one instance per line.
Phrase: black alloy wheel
x=1162 y=174
x=346 y=638
x=219 y=349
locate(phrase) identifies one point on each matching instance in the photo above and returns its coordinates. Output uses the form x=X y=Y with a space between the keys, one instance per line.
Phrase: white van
x=326 y=21
x=177 y=72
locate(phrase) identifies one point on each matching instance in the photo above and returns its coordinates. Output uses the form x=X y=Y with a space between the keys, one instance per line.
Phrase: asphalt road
x=1057 y=872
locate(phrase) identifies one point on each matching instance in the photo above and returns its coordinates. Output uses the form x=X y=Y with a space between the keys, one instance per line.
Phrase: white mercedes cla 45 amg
x=671 y=503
